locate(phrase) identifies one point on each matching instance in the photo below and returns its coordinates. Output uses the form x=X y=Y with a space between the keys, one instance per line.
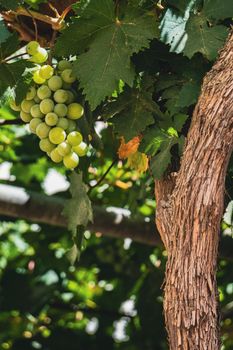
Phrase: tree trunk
x=189 y=210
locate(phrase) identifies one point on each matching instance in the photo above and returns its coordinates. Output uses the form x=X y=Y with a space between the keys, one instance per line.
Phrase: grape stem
x=34 y=23
x=103 y=176
x=13 y=57
x=10 y=122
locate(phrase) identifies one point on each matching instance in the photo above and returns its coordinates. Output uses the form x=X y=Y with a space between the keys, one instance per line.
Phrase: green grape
x=26 y=117
x=75 y=111
x=60 y=109
x=74 y=138
x=60 y=96
x=46 y=105
x=71 y=161
x=44 y=92
x=37 y=99
x=51 y=119
x=64 y=64
x=33 y=124
x=68 y=76
x=81 y=149
x=64 y=148
x=63 y=123
x=14 y=106
x=42 y=130
x=46 y=71
x=55 y=83
x=46 y=145
x=37 y=78
x=70 y=97
x=32 y=47
x=55 y=156
x=27 y=105
x=31 y=93
x=40 y=57
x=72 y=126
x=36 y=112
x=57 y=135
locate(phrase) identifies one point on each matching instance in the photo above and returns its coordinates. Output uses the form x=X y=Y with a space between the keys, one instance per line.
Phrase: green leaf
x=160 y=162
x=78 y=210
x=10 y=4
x=73 y=254
x=204 y=39
x=188 y=94
x=152 y=141
x=109 y=43
x=4 y=32
x=218 y=9
x=9 y=47
x=137 y=114
x=180 y=4
x=11 y=74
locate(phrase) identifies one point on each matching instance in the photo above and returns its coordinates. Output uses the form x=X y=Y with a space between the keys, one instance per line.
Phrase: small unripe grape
x=55 y=83
x=26 y=117
x=55 y=156
x=46 y=145
x=72 y=126
x=46 y=71
x=36 y=112
x=31 y=93
x=68 y=76
x=37 y=78
x=64 y=64
x=74 y=138
x=42 y=130
x=33 y=124
x=75 y=111
x=70 y=97
x=37 y=99
x=32 y=47
x=40 y=57
x=63 y=123
x=27 y=105
x=51 y=119
x=57 y=135
x=64 y=148
x=81 y=149
x=60 y=96
x=44 y=92
x=14 y=106
x=46 y=105
x=60 y=109
x=71 y=161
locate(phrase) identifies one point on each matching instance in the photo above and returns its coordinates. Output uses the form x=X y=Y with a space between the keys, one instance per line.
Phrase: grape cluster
x=50 y=109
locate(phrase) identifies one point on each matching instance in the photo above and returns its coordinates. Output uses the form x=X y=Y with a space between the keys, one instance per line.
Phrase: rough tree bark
x=190 y=206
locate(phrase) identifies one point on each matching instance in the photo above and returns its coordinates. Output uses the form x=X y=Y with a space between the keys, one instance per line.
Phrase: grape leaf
x=78 y=210
x=11 y=74
x=218 y=9
x=137 y=114
x=160 y=162
x=4 y=32
x=10 y=4
x=204 y=39
x=9 y=47
x=108 y=41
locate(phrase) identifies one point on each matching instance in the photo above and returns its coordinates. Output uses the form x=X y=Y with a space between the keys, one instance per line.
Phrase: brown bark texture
x=189 y=211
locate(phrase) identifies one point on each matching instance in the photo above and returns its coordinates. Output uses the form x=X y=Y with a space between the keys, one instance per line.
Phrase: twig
x=13 y=57
x=52 y=43
x=54 y=10
x=103 y=176
x=10 y=122
x=34 y=23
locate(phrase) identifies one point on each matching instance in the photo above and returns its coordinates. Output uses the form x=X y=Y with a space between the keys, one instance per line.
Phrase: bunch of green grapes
x=51 y=111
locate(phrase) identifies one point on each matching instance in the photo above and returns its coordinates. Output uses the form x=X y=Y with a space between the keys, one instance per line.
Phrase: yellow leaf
x=138 y=161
